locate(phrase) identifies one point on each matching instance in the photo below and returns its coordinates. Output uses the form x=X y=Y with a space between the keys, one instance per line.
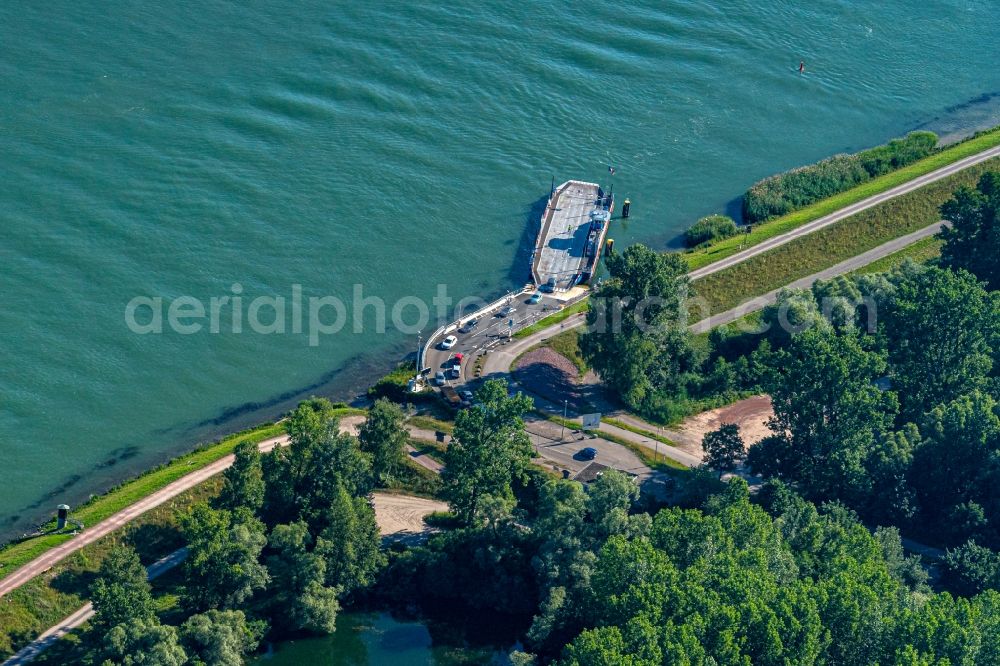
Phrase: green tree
x=724 y=448
x=827 y=412
x=489 y=449
x=222 y=567
x=350 y=545
x=219 y=638
x=243 y=481
x=954 y=469
x=302 y=479
x=609 y=499
x=636 y=338
x=939 y=328
x=971 y=568
x=299 y=598
x=892 y=499
x=121 y=591
x=973 y=241
x=383 y=437
x=144 y=642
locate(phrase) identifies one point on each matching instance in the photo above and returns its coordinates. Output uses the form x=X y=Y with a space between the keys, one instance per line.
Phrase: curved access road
x=845 y=212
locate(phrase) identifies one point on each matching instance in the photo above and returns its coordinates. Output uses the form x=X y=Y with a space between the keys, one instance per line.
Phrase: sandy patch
x=401 y=517
x=351 y=424
x=750 y=415
x=551 y=375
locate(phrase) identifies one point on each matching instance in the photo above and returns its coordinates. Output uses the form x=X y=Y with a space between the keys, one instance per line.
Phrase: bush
x=443 y=520
x=394 y=386
x=781 y=194
x=713 y=227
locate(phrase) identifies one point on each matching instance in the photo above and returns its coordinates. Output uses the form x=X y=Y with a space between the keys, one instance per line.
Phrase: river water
x=373 y=639
x=213 y=149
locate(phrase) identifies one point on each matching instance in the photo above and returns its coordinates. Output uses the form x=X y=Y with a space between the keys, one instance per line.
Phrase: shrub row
x=791 y=190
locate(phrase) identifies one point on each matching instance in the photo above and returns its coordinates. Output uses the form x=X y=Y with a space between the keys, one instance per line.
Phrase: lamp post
x=562 y=435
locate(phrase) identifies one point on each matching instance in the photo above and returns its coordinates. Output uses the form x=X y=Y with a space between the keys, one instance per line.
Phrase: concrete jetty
x=574 y=226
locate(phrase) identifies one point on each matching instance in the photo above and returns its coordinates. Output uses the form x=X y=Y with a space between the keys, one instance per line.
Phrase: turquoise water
x=170 y=149
x=372 y=639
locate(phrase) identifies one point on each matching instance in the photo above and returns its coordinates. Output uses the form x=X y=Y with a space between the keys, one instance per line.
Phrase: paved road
x=839 y=215
x=495 y=363
x=842 y=268
x=490 y=332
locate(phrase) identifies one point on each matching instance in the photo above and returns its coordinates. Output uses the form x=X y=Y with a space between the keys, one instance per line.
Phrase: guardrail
x=481 y=312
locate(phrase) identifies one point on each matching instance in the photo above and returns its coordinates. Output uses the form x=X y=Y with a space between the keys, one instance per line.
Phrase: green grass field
x=763 y=231
x=833 y=244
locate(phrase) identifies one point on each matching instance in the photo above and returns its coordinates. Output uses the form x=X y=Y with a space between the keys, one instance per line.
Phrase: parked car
x=535 y=298
x=451 y=397
x=449 y=342
x=466 y=395
x=439 y=379
x=469 y=326
x=455 y=372
x=588 y=453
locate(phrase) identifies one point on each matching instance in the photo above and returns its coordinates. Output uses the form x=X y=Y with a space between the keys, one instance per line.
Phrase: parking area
x=487 y=331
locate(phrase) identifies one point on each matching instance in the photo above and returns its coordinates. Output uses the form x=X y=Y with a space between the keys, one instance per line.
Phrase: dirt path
x=401 y=517
x=750 y=415
x=92 y=533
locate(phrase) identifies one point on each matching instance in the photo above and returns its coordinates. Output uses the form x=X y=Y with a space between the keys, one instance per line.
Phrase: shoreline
x=345 y=384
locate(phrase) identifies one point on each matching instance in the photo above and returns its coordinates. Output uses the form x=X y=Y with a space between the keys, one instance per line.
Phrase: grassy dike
x=777 y=226
x=46 y=599
x=828 y=246
x=53 y=595
x=116 y=499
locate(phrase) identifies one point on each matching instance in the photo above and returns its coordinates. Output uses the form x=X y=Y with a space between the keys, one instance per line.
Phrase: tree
x=971 y=568
x=220 y=638
x=383 y=437
x=827 y=412
x=939 y=328
x=285 y=468
x=121 y=592
x=350 y=545
x=222 y=567
x=144 y=642
x=953 y=472
x=973 y=241
x=724 y=448
x=243 y=481
x=301 y=480
x=300 y=600
x=489 y=449
x=609 y=499
x=635 y=338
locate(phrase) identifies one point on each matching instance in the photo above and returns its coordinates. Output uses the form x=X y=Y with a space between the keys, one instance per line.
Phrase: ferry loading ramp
x=574 y=225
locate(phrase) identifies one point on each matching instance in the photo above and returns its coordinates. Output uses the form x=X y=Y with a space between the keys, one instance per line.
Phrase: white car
x=449 y=342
